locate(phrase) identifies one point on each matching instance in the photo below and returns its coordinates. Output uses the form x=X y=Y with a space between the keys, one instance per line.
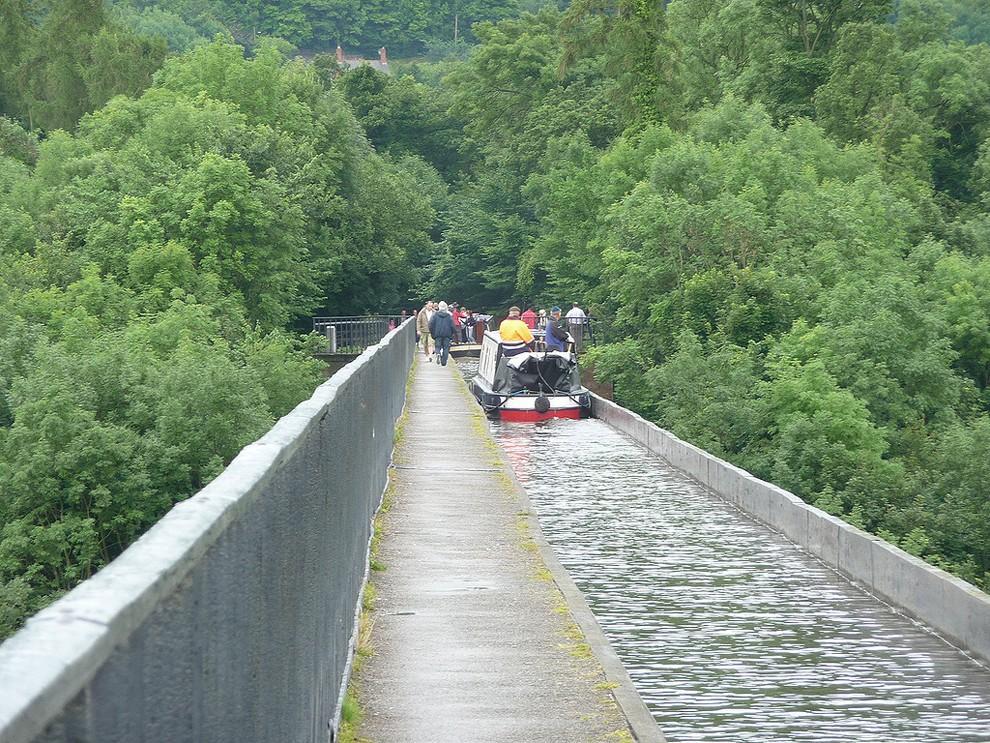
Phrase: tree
x=812 y=26
x=154 y=22
x=404 y=117
x=16 y=38
x=56 y=94
x=77 y=59
x=150 y=263
x=630 y=36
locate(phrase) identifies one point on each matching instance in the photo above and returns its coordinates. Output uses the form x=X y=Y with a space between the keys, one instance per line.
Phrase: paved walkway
x=472 y=640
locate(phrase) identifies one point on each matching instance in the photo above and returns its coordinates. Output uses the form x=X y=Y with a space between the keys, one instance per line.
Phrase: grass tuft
x=369 y=596
x=621 y=736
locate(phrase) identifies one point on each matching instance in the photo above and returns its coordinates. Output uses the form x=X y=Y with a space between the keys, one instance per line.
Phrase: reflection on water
x=468 y=366
x=730 y=632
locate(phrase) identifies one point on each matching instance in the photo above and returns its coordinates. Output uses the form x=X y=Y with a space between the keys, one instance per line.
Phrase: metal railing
x=354 y=333
x=586 y=331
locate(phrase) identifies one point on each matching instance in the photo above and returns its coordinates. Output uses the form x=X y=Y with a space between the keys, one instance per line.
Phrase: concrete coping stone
x=60 y=649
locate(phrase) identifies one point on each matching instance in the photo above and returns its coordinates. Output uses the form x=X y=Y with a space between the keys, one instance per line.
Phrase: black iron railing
x=354 y=333
x=586 y=331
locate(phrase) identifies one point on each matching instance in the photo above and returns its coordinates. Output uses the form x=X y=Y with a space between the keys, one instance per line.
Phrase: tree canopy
x=781 y=210
x=151 y=265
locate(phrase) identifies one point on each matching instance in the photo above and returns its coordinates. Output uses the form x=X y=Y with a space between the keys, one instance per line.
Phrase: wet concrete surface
x=470 y=644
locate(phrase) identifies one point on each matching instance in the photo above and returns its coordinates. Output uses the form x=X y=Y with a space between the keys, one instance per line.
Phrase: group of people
x=439 y=324
x=516 y=330
x=575 y=316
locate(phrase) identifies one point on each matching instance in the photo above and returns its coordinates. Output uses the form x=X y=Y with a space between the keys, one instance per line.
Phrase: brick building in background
x=352 y=61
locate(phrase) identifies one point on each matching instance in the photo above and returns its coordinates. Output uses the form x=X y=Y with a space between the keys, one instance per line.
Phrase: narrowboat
x=528 y=386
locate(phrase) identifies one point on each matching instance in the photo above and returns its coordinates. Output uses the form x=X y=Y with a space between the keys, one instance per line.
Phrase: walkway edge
x=641 y=722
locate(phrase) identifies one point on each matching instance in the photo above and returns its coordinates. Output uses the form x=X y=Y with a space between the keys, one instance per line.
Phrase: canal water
x=729 y=631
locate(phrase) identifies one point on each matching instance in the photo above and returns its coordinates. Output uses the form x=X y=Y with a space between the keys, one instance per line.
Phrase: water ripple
x=729 y=631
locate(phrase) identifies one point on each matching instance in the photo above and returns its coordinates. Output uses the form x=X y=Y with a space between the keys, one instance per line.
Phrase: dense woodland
x=781 y=208
x=154 y=254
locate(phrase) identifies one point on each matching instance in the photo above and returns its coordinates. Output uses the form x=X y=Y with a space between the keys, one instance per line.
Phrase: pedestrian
x=442 y=330
x=556 y=333
x=468 y=321
x=515 y=334
x=423 y=329
x=529 y=317
x=575 y=312
x=576 y=320
x=541 y=321
x=455 y=314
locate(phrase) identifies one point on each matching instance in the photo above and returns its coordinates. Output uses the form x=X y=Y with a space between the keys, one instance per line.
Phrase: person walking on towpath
x=423 y=328
x=515 y=334
x=556 y=337
x=442 y=330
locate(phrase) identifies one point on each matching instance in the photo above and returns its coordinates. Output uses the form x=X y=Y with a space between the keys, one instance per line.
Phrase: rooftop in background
x=352 y=61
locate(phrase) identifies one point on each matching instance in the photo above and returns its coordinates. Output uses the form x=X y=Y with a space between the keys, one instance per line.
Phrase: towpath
x=473 y=641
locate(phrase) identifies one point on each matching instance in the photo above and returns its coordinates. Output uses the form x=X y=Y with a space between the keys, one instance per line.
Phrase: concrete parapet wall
x=957 y=610
x=232 y=618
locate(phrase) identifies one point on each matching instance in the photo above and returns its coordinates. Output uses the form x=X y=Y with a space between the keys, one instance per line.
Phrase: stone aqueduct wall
x=231 y=619
x=959 y=611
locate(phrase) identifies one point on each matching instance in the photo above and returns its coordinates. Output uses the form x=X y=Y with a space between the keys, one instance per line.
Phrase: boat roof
x=517 y=360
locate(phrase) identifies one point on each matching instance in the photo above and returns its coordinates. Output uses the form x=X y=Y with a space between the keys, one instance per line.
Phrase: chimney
x=340 y=54
x=383 y=56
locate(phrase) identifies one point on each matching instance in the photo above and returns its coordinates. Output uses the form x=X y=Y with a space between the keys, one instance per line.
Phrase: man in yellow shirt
x=515 y=334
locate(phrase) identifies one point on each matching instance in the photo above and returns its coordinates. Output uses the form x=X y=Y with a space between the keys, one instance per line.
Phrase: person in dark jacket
x=556 y=336
x=442 y=330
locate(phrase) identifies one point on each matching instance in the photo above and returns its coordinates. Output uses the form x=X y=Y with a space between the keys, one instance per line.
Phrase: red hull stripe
x=531 y=416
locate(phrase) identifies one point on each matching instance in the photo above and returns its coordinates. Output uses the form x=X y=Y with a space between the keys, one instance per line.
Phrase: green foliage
x=404 y=117
x=69 y=60
x=149 y=264
x=781 y=207
x=155 y=22
x=970 y=20
x=520 y=113
x=629 y=36
x=406 y=27
x=110 y=424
